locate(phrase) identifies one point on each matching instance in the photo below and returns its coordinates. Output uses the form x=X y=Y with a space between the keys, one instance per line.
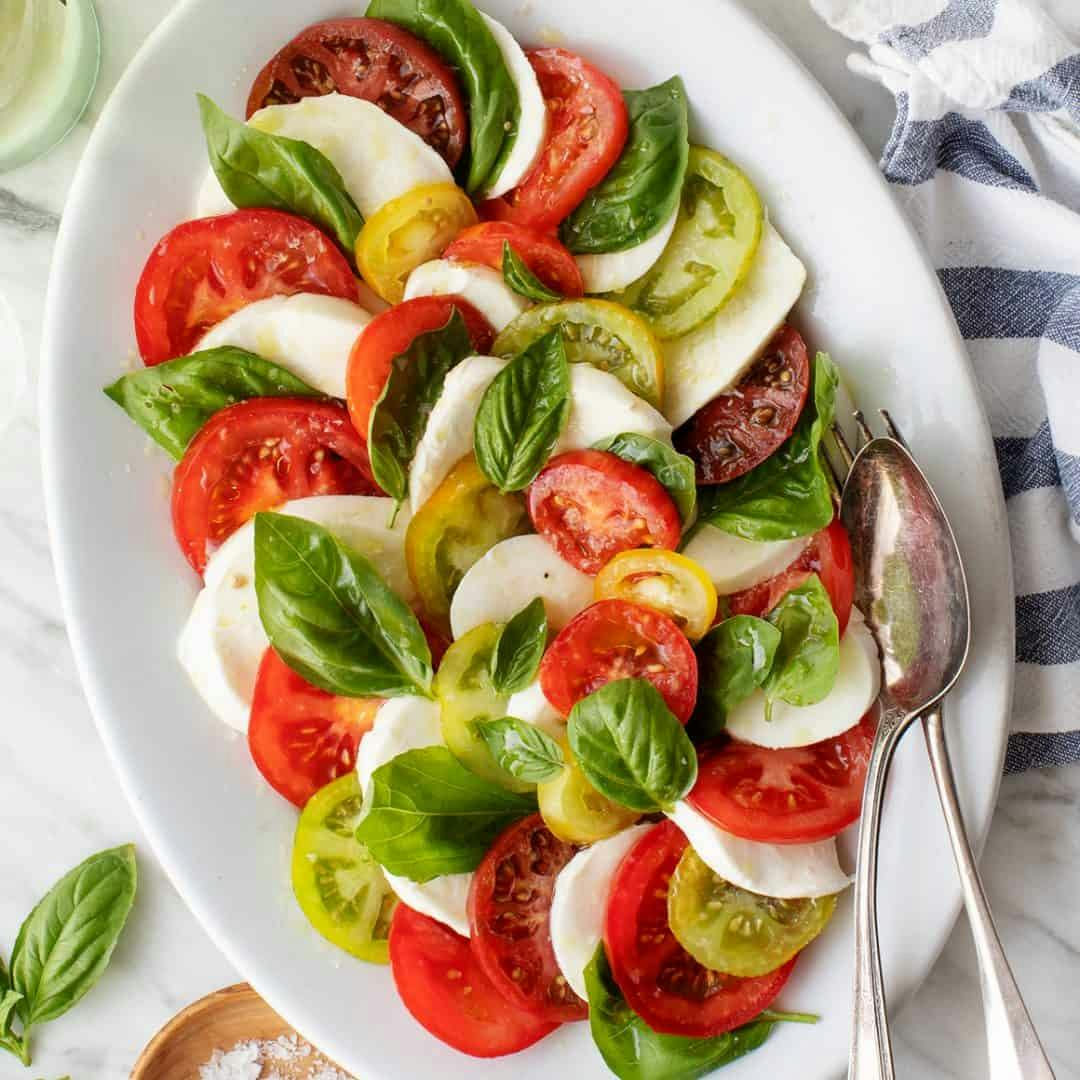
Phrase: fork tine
x=892 y=429
x=843 y=448
x=865 y=434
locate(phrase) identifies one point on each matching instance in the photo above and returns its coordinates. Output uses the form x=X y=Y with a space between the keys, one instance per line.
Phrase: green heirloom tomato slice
x=339 y=886
x=710 y=252
x=737 y=932
x=596 y=332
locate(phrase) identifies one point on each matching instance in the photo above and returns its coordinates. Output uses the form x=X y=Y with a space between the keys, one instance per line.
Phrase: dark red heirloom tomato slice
x=590 y=505
x=443 y=985
x=791 y=796
x=377 y=61
x=615 y=639
x=541 y=253
x=740 y=429
x=256 y=455
x=301 y=737
x=509 y=915
x=204 y=270
x=829 y=556
x=660 y=980
x=390 y=334
x=587 y=127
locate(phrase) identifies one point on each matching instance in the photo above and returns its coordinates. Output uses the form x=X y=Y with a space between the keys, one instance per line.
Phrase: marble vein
x=25 y=216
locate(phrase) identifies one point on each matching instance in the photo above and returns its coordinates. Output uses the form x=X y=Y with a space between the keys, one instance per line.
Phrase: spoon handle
x=1012 y=1043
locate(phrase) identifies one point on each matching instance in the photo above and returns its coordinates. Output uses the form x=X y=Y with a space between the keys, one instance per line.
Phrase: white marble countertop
x=59 y=800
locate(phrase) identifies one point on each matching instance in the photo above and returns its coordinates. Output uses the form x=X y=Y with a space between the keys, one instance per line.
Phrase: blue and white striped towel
x=985 y=157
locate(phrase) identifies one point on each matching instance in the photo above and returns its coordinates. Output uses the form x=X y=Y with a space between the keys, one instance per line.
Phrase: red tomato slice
x=390 y=334
x=615 y=639
x=660 y=980
x=256 y=455
x=376 y=61
x=740 y=429
x=443 y=985
x=587 y=128
x=543 y=254
x=829 y=556
x=204 y=270
x=792 y=796
x=509 y=915
x=301 y=737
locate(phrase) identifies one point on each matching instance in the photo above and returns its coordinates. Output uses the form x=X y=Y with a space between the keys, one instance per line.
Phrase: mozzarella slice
x=448 y=436
x=445 y=899
x=579 y=903
x=601 y=407
x=482 y=286
x=614 y=270
x=307 y=334
x=223 y=641
x=532 y=113
x=786 y=871
x=711 y=359
x=532 y=706
x=509 y=576
x=377 y=157
x=735 y=564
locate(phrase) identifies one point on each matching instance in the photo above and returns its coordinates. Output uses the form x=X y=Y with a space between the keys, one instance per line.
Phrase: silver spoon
x=910 y=584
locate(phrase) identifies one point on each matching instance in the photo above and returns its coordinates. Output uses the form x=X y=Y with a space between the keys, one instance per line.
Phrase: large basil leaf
x=631 y=747
x=734 y=659
x=520 y=649
x=641 y=192
x=674 y=470
x=172 y=401
x=67 y=940
x=457 y=30
x=413 y=386
x=522 y=749
x=522 y=414
x=331 y=616
x=789 y=494
x=428 y=815
x=522 y=280
x=256 y=169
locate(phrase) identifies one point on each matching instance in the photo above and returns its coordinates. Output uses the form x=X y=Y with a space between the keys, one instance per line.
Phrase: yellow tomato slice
x=575 y=811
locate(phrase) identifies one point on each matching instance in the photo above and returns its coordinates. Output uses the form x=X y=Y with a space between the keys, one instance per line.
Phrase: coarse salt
x=287 y=1057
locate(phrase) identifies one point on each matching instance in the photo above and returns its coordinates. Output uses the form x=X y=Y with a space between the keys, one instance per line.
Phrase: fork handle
x=1011 y=1040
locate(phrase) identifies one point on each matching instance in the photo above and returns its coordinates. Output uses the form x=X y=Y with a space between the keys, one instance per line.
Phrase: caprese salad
x=500 y=465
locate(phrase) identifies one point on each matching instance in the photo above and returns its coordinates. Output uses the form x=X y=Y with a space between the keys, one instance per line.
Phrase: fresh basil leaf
x=8 y=1000
x=66 y=942
x=522 y=749
x=522 y=280
x=257 y=169
x=428 y=815
x=172 y=401
x=641 y=192
x=330 y=615
x=520 y=649
x=633 y=1051
x=789 y=494
x=458 y=31
x=734 y=659
x=674 y=470
x=522 y=414
x=413 y=386
x=630 y=746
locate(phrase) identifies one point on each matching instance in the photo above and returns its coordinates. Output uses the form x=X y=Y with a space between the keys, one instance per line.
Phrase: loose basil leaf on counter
x=458 y=31
x=631 y=747
x=8 y=1000
x=412 y=388
x=428 y=815
x=519 y=649
x=257 y=169
x=330 y=615
x=172 y=401
x=522 y=749
x=641 y=192
x=522 y=414
x=522 y=280
x=674 y=470
x=789 y=494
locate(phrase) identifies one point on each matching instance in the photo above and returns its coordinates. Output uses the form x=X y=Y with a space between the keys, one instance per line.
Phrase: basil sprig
x=428 y=815
x=789 y=494
x=519 y=649
x=172 y=401
x=674 y=470
x=522 y=280
x=522 y=749
x=631 y=747
x=257 y=169
x=331 y=616
x=522 y=414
